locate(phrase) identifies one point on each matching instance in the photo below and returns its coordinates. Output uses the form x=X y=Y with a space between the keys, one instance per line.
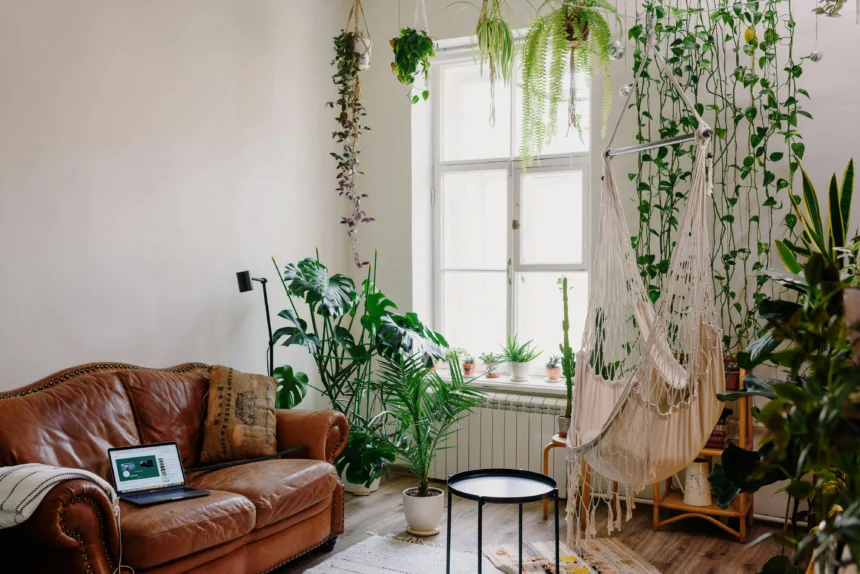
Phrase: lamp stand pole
x=271 y=364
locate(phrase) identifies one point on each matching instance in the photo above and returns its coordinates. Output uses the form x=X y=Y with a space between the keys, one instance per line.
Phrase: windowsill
x=536 y=385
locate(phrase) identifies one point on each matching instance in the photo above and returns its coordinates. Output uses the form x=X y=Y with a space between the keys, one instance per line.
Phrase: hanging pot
x=697 y=489
x=423 y=513
x=573 y=41
x=362 y=45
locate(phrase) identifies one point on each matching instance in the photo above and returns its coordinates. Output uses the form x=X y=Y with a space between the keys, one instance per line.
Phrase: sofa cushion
x=72 y=424
x=277 y=488
x=169 y=408
x=153 y=535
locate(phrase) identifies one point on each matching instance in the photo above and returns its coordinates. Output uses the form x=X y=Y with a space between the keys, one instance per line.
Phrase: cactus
x=568 y=364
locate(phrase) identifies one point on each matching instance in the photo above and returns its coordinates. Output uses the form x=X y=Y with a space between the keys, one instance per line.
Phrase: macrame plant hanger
x=356 y=23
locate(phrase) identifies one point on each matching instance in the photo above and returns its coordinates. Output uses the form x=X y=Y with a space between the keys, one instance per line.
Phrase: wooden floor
x=688 y=547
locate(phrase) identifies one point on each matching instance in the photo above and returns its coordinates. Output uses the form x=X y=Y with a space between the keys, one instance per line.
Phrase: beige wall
x=148 y=152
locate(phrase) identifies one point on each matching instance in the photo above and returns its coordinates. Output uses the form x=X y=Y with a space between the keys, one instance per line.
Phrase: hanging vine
x=736 y=58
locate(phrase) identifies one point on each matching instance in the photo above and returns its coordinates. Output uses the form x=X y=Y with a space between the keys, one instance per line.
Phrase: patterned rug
x=599 y=556
x=384 y=555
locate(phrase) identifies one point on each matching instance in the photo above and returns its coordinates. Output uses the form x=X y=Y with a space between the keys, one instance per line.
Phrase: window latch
x=509 y=272
x=515 y=224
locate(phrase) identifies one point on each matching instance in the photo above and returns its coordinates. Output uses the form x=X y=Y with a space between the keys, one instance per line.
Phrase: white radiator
x=507 y=431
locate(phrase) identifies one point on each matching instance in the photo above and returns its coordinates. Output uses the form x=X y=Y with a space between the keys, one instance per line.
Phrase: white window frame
x=578 y=161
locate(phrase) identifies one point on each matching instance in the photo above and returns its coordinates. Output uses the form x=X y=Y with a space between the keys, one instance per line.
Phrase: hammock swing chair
x=646 y=379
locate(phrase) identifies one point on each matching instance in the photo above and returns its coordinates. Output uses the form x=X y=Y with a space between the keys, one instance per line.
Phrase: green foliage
x=495 y=47
x=345 y=331
x=412 y=52
x=350 y=118
x=515 y=352
x=568 y=365
x=491 y=359
x=368 y=453
x=468 y=360
x=427 y=409
x=574 y=37
x=720 y=57
x=553 y=362
x=291 y=387
x=831 y=8
x=830 y=240
x=811 y=420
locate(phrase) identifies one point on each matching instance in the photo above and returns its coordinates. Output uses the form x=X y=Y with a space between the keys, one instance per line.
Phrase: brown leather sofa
x=257 y=518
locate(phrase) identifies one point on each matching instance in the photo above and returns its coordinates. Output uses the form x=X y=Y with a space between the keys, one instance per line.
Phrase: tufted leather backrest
x=73 y=417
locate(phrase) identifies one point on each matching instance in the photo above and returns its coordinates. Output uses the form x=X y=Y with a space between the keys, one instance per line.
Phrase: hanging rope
x=356 y=16
x=419 y=5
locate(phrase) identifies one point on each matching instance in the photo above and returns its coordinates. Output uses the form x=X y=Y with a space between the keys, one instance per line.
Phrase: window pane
x=540 y=311
x=466 y=130
x=566 y=140
x=474 y=212
x=473 y=310
x=551 y=217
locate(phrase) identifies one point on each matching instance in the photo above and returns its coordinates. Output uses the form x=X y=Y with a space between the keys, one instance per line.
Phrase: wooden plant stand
x=741 y=508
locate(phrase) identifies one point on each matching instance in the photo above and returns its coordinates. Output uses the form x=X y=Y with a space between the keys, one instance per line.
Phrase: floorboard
x=688 y=547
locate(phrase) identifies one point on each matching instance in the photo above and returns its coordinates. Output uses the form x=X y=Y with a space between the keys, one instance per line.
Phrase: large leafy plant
x=412 y=52
x=350 y=118
x=427 y=409
x=344 y=329
x=515 y=352
x=574 y=37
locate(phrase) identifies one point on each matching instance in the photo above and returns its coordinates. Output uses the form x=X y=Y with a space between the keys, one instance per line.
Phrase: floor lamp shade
x=245 y=283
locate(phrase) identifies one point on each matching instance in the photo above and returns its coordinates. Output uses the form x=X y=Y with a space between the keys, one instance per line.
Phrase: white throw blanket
x=23 y=487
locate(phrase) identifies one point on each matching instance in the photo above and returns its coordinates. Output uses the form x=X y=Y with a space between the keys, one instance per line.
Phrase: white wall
x=148 y=152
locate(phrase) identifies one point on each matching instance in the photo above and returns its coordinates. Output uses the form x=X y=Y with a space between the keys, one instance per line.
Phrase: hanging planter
x=574 y=37
x=412 y=52
x=495 y=47
x=362 y=41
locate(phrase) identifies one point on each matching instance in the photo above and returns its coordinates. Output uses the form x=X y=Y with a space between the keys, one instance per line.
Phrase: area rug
x=600 y=556
x=384 y=555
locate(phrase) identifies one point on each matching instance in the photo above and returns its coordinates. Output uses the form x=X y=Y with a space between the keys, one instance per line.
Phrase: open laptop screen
x=146 y=467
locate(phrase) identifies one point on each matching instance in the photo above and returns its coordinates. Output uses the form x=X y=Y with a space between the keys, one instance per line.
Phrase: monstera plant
x=343 y=329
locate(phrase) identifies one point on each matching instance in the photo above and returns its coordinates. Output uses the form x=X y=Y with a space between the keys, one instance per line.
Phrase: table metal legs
x=480 y=533
x=521 y=537
x=557 y=569
x=448 y=554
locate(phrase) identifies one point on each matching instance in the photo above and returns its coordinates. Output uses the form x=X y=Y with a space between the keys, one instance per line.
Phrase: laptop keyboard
x=159 y=493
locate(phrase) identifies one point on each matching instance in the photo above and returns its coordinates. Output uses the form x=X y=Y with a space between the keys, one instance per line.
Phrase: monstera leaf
x=406 y=336
x=297 y=334
x=366 y=457
x=329 y=296
x=376 y=306
x=292 y=387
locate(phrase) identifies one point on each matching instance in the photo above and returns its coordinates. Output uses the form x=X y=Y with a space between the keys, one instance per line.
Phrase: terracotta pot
x=562 y=425
x=468 y=368
x=423 y=513
x=553 y=373
x=733 y=374
x=491 y=372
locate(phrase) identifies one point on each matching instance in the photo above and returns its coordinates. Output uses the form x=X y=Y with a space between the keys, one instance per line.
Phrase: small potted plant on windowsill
x=491 y=365
x=553 y=368
x=468 y=365
x=519 y=356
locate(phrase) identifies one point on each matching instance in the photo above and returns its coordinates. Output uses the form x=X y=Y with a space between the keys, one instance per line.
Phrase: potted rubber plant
x=568 y=363
x=519 y=356
x=468 y=365
x=491 y=365
x=412 y=52
x=553 y=368
x=427 y=408
x=574 y=37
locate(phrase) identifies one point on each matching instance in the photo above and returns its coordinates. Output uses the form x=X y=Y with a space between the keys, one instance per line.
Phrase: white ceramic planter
x=362 y=47
x=423 y=513
x=358 y=489
x=697 y=489
x=519 y=371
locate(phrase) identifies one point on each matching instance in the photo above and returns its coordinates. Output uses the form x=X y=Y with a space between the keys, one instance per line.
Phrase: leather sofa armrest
x=323 y=432
x=72 y=530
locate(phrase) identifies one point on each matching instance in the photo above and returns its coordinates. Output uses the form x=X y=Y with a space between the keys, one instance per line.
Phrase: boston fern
x=574 y=37
x=350 y=117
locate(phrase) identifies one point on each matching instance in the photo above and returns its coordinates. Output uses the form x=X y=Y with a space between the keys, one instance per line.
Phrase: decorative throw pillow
x=240 y=421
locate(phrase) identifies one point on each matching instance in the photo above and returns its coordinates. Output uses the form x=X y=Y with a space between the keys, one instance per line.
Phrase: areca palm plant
x=427 y=409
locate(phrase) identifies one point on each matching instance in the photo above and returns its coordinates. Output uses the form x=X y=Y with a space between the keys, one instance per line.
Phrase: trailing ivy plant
x=738 y=64
x=350 y=119
x=573 y=37
x=412 y=52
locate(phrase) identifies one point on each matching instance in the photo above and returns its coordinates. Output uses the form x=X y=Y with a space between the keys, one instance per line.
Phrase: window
x=504 y=235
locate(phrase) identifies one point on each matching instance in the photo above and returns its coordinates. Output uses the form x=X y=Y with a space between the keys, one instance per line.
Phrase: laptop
x=150 y=474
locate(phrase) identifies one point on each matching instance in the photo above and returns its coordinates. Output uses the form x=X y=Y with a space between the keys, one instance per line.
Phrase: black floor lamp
x=246 y=283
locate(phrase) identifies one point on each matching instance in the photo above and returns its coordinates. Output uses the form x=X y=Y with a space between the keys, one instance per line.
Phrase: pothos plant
x=345 y=329
x=739 y=65
x=412 y=52
x=350 y=119
x=573 y=37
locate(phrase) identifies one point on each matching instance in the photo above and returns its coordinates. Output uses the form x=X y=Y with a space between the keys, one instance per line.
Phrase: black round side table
x=501 y=486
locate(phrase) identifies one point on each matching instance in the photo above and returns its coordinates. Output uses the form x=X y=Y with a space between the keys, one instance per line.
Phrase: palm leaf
x=788 y=258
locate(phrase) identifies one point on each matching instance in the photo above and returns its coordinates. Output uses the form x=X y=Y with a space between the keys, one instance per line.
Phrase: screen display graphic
x=146 y=467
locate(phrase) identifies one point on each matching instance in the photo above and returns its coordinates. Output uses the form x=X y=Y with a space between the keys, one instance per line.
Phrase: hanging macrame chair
x=646 y=379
